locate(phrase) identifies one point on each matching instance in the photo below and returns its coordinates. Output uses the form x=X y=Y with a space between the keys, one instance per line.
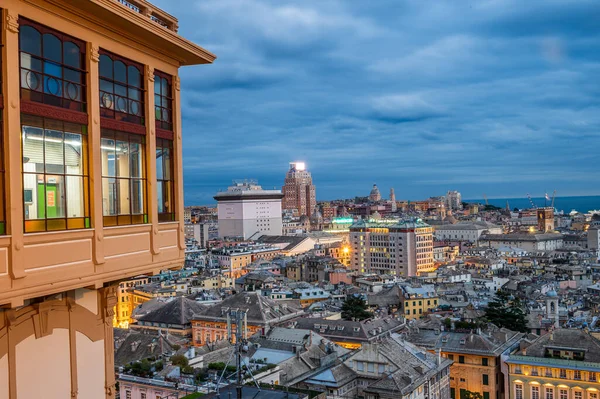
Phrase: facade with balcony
x=90 y=181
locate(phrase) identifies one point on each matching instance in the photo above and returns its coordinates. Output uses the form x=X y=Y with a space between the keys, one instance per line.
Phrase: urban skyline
x=481 y=98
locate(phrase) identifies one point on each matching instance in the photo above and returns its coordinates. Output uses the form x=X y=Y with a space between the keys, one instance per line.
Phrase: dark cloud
x=494 y=96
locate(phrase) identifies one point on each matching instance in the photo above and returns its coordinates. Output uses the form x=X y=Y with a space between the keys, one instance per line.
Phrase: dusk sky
x=500 y=97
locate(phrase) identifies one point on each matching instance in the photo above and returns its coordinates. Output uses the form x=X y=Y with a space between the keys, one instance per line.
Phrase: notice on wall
x=50 y=198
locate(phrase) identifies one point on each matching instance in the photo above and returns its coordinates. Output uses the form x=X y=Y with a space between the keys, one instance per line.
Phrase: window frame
x=70 y=223
x=78 y=115
x=119 y=120
x=119 y=218
x=166 y=216
x=161 y=124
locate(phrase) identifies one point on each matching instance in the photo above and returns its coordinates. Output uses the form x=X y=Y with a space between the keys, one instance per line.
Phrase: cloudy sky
x=485 y=96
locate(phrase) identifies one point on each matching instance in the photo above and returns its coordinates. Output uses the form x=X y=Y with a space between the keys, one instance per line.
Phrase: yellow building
x=216 y=282
x=564 y=364
x=124 y=306
x=418 y=301
x=91 y=181
x=477 y=360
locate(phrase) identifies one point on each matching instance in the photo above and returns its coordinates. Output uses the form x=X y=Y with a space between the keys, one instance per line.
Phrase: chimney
x=439 y=356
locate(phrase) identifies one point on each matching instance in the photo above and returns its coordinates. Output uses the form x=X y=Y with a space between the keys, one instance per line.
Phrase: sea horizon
x=579 y=203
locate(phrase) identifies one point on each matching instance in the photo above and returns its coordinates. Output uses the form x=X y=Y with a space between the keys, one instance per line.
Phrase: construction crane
x=485 y=198
x=553 y=196
x=531 y=201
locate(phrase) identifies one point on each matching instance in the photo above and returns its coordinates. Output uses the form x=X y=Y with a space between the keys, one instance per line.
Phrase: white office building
x=247 y=211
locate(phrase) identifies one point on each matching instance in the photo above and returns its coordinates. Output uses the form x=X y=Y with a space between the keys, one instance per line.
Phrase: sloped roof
x=566 y=338
x=139 y=346
x=260 y=310
x=179 y=310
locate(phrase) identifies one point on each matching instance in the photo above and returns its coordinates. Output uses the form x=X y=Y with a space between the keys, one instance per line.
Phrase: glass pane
x=135 y=94
x=53 y=86
x=73 y=160
x=136 y=160
x=159 y=163
x=137 y=196
x=72 y=75
x=30 y=40
x=34 y=209
x=122 y=159
x=134 y=78
x=121 y=90
x=55 y=196
x=32 y=226
x=123 y=187
x=157 y=113
x=78 y=223
x=75 y=196
x=106 y=86
x=168 y=196
x=165 y=88
x=108 y=157
x=159 y=196
x=52 y=47
x=167 y=162
x=72 y=91
x=56 y=224
x=109 y=196
x=120 y=72
x=54 y=151
x=72 y=55
x=30 y=62
x=156 y=85
x=106 y=67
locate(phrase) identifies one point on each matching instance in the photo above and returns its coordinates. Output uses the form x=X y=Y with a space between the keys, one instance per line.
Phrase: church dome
x=375 y=195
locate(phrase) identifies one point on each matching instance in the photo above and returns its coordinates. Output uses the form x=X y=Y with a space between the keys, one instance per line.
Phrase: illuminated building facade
x=401 y=248
x=299 y=190
x=564 y=364
x=545 y=218
x=91 y=181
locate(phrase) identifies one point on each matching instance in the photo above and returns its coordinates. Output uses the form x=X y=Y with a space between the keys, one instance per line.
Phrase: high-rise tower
x=298 y=190
x=393 y=200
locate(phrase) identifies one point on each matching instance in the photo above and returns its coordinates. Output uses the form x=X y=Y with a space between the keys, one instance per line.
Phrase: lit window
x=535 y=392
x=518 y=391
x=52 y=67
x=577 y=374
x=163 y=103
x=563 y=394
x=55 y=175
x=593 y=395
x=123 y=178
x=578 y=395
x=121 y=89
x=165 y=184
x=549 y=393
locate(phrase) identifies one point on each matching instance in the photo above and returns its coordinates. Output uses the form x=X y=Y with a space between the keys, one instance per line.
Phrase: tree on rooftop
x=471 y=395
x=355 y=308
x=179 y=360
x=506 y=311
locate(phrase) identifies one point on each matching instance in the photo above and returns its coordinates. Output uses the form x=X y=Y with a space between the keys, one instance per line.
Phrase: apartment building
x=400 y=248
x=91 y=181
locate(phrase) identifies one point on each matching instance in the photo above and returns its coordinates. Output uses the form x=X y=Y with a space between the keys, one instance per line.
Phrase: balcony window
x=165 y=181
x=592 y=376
x=563 y=373
x=163 y=102
x=549 y=393
x=121 y=89
x=55 y=175
x=52 y=67
x=123 y=178
x=535 y=392
x=576 y=374
x=563 y=394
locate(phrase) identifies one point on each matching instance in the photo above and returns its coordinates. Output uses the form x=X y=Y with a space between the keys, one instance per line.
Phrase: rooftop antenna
x=237 y=334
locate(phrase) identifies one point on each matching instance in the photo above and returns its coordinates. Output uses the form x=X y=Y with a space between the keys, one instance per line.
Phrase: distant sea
x=566 y=204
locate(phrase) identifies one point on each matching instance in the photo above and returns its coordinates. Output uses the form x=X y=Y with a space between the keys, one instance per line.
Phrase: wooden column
x=151 y=160
x=95 y=154
x=177 y=149
x=12 y=148
x=108 y=301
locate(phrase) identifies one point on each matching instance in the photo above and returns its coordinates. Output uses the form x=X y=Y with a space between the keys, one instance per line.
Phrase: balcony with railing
x=153 y=13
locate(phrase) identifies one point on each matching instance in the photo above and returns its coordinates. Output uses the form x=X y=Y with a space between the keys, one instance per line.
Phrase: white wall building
x=526 y=241
x=453 y=200
x=197 y=231
x=246 y=210
x=467 y=231
x=400 y=248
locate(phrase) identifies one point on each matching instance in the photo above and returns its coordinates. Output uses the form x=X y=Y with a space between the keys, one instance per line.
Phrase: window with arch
x=163 y=102
x=52 y=67
x=121 y=89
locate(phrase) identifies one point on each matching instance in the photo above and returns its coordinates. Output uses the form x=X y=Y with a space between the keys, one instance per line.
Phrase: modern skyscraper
x=402 y=248
x=246 y=210
x=375 y=195
x=92 y=179
x=298 y=190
